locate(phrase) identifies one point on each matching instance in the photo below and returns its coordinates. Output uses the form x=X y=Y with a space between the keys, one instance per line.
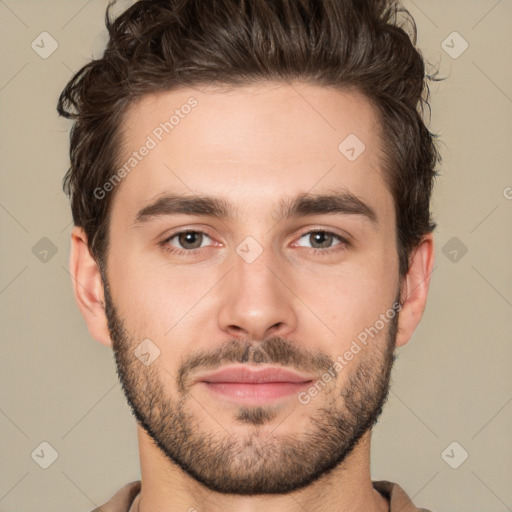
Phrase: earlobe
x=88 y=287
x=415 y=289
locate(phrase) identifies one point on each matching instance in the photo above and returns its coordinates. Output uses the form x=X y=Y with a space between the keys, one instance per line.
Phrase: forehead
x=251 y=145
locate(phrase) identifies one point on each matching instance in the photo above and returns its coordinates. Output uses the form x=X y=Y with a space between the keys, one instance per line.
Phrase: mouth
x=244 y=385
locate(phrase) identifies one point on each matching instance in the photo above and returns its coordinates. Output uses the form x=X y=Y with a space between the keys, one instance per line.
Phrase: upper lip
x=254 y=376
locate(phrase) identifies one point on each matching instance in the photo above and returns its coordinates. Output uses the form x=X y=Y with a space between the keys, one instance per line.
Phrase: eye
x=189 y=241
x=185 y=241
x=322 y=240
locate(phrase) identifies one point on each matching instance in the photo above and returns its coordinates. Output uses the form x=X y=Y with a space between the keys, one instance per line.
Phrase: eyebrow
x=304 y=205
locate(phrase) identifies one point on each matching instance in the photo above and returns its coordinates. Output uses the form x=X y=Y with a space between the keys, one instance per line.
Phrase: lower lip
x=255 y=394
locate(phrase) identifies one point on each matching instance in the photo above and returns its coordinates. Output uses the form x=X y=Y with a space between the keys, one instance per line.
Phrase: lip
x=254 y=386
x=244 y=374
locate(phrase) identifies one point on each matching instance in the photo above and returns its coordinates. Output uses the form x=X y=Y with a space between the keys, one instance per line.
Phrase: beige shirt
x=399 y=501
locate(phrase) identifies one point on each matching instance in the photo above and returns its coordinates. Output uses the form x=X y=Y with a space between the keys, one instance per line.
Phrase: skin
x=253 y=146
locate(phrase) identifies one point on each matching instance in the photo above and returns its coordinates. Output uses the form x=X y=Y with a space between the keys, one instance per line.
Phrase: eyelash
x=182 y=252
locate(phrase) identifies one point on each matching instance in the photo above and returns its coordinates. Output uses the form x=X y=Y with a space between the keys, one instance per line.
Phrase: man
x=283 y=141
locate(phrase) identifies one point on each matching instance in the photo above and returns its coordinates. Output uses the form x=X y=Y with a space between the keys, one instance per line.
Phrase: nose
x=256 y=301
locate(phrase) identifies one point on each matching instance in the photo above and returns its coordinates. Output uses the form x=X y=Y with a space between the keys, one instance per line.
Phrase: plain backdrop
x=452 y=383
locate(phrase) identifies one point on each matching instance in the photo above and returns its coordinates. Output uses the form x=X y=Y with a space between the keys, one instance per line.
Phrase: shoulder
x=122 y=499
x=397 y=497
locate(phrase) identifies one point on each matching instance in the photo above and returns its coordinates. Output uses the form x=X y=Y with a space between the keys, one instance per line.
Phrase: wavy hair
x=159 y=45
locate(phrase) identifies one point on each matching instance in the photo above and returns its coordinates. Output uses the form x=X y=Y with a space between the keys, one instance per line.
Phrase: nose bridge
x=255 y=301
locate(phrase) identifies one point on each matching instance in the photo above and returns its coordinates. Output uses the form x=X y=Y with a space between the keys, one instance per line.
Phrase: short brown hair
x=159 y=45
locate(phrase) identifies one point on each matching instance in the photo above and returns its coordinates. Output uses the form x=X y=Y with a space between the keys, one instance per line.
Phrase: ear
x=88 y=287
x=414 y=289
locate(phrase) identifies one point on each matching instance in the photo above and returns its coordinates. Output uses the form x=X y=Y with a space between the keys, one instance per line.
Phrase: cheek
x=163 y=303
x=351 y=297
x=336 y=301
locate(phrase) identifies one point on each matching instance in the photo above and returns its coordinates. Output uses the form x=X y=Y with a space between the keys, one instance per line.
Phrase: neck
x=167 y=488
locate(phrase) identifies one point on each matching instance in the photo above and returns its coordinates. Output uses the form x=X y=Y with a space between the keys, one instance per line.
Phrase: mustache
x=274 y=350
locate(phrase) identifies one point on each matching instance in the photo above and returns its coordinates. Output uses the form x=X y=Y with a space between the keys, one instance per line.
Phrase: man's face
x=254 y=289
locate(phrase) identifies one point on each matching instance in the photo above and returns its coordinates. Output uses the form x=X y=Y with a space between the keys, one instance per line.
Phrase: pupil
x=188 y=238
x=322 y=235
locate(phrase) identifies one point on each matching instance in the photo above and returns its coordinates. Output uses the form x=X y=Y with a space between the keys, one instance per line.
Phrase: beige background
x=452 y=382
